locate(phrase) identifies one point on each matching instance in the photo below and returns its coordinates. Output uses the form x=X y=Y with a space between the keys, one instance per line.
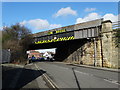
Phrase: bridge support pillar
x=110 y=52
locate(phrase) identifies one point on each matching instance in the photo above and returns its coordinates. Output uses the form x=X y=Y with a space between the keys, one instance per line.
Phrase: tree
x=17 y=38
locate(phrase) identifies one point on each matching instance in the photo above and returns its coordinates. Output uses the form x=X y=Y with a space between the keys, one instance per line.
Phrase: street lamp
x=55 y=37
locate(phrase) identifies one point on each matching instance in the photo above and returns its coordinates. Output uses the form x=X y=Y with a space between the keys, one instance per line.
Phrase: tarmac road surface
x=62 y=75
x=68 y=76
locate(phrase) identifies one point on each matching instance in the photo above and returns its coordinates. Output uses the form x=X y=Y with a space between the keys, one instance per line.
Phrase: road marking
x=105 y=79
x=112 y=81
x=84 y=73
x=48 y=79
x=41 y=83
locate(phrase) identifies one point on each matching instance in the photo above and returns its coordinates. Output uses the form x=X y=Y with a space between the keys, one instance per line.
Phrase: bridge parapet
x=84 y=25
x=78 y=31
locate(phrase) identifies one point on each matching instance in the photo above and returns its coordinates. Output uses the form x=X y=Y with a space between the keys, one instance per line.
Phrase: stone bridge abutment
x=98 y=51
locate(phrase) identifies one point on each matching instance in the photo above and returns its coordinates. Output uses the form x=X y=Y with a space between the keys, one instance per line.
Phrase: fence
x=5 y=56
x=116 y=25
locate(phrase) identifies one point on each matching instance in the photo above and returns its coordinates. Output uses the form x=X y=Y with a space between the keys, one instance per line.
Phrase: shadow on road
x=77 y=82
x=11 y=78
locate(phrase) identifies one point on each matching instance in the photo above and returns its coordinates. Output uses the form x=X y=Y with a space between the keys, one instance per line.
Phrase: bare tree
x=17 y=38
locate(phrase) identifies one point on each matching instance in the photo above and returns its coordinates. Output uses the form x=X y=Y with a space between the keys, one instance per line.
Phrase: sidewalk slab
x=31 y=78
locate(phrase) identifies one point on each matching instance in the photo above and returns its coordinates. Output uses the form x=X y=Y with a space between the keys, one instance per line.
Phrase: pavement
x=93 y=67
x=22 y=77
x=10 y=75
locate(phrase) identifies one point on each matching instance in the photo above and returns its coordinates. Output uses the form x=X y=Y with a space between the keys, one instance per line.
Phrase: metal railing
x=116 y=25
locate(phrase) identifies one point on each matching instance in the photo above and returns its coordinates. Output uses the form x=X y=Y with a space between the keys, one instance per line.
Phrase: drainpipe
x=94 y=51
x=101 y=50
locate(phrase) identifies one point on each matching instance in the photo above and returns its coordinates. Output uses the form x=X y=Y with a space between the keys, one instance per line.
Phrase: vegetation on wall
x=117 y=37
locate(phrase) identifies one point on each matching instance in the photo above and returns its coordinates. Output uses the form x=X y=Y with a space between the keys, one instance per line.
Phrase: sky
x=46 y=50
x=42 y=16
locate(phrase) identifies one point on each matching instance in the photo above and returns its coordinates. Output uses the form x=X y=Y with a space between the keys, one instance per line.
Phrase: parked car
x=41 y=59
x=33 y=59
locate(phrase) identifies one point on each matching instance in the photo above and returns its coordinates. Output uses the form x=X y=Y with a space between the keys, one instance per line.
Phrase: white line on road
x=112 y=81
x=84 y=73
x=48 y=79
x=108 y=80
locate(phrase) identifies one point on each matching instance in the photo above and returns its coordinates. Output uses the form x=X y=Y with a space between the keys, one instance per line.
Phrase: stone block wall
x=86 y=54
x=99 y=51
x=110 y=51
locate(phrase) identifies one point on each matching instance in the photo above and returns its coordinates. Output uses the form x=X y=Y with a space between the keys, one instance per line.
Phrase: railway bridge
x=87 y=43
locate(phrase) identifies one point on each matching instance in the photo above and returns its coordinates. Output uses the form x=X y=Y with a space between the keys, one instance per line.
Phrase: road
x=68 y=76
x=60 y=74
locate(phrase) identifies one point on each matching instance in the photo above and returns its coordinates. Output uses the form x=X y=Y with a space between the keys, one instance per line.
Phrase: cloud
x=65 y=11
x=90 y=9
x=89 y=17
x=55 y=26
x=111 y=17
x=39 y=24
x=47 y=50
x=23 y=22
x=1 y=28
x=93 y=16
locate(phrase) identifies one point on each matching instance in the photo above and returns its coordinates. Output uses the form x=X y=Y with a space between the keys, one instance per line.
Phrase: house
x=34 y=53
x=48 y=55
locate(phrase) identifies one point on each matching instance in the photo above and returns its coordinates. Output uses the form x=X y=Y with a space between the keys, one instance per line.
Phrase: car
x=41 y=59
x=33 y=59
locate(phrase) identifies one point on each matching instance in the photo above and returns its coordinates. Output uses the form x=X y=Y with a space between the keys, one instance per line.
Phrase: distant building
x=34 y=53
x=5 y=56
x=49 y=55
